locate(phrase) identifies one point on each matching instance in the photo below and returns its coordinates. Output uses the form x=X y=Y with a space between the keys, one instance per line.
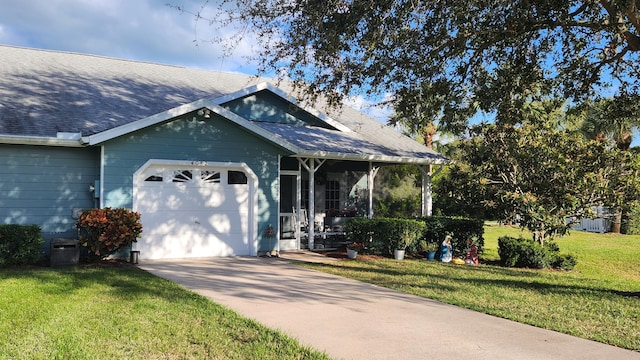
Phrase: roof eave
x=39 y=140
x=374 y=158
x=144 y=123
x=182 y=110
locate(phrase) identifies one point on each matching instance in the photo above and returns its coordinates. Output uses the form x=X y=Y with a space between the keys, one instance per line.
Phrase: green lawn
x=124 y=313
x=598 y=300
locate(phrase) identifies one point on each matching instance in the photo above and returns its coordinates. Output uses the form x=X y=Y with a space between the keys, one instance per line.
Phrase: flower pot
x=351 y=254
x=398 y=254
x=431 y=255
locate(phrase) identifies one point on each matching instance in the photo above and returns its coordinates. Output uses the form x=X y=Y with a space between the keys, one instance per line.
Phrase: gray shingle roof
x=321 y=142
x=45 y=92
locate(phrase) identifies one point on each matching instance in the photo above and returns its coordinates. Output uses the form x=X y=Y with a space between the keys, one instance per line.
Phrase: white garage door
x=193 y=210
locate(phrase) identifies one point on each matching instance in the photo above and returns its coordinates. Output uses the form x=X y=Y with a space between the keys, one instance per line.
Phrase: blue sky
x=146 y=30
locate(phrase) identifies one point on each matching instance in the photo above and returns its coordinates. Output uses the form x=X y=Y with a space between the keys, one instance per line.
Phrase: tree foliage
x=449 y=59
x=611 y=118
x=539 y=176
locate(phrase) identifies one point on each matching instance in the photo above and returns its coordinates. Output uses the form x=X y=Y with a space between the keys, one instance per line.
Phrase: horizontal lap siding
x=268 y=107
x=187 y=138
x=42 y=185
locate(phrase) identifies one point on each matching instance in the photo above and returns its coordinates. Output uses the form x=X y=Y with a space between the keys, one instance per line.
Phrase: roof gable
x=265 y=106
x=47 y=93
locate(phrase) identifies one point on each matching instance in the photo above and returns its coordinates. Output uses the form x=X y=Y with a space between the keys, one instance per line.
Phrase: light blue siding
x=192 y=138
x=42 y=185
x=268 y=107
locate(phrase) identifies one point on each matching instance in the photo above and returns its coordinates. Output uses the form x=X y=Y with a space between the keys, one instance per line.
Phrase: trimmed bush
x=20 y=244
x=106 y=231
x=437 y=227
x=564 y=262
x=526 y=253
x=382 y=236
x=359 y=229
x=398 y=234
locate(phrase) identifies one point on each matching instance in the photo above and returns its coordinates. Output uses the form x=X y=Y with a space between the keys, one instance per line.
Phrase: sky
x=143 y=30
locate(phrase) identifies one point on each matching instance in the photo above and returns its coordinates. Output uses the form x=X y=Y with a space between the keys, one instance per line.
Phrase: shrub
x=106 y=231
x=564 y=262
x=20 y=244
x=631 y=222
x=383 y=235
x=525 y=253
x=398 y=234
x=437 y=227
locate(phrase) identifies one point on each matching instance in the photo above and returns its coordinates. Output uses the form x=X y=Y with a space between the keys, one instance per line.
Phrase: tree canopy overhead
x=452 y=58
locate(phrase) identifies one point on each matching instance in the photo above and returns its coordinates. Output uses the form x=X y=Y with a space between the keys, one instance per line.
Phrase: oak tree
x=450 y=59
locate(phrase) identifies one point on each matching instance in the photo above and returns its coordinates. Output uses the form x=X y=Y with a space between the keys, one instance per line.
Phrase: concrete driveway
x=353 y=320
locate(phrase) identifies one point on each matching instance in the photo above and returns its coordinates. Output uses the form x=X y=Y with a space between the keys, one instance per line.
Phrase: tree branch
x=633 y=40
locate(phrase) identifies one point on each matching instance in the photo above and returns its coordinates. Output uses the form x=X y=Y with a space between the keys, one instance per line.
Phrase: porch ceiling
x=317 y=142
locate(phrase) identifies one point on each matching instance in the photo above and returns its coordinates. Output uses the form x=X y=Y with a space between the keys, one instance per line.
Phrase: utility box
x=64 y=252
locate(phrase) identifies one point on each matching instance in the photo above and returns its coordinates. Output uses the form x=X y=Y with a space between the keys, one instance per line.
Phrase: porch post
x=373 y=170
x=298 y=205
x=427 y=191
x=312 y=166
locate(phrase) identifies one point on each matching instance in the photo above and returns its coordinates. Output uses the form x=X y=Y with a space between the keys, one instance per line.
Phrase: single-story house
x=210 y=160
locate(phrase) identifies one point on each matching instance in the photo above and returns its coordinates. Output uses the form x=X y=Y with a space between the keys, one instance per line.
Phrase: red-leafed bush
x=106 y=231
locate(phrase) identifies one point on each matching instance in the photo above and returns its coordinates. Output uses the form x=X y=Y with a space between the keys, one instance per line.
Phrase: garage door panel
x=186 y=199
x=193 y=219
x=173 y=239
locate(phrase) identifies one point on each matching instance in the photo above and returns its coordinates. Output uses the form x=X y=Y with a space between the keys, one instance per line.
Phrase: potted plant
x=431 y=249
x=353 y=249
x=401 y=245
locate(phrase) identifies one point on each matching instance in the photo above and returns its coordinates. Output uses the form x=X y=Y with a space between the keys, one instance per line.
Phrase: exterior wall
x=43 y=185
x=268 y=107
x=192 y=138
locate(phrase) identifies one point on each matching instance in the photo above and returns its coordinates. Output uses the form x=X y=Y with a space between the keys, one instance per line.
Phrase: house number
x=199 y=163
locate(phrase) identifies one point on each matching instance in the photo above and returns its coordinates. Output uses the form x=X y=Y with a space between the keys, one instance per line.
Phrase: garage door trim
x=252 y=182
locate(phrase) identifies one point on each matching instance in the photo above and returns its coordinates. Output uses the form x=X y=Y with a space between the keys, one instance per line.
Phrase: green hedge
x=631 y=222
x=381 y=236
x=20 y=244
x=459 y=228
x=526 y=253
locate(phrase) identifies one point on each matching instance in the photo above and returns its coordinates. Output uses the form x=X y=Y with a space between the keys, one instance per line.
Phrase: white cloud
x=146 y=30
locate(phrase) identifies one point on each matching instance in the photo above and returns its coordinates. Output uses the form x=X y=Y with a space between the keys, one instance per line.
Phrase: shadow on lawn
x=456 y=277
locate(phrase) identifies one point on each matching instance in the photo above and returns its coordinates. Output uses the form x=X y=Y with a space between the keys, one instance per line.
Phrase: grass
x=124 y=313
x=598 y=300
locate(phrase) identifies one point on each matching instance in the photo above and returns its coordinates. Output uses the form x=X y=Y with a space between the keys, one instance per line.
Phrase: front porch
x=318 y=196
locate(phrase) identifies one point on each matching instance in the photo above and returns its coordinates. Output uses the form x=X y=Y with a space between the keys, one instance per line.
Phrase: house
x=210 y=160
x=599 y=222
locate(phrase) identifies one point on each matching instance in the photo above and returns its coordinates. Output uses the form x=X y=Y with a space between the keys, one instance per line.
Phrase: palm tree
x=613 y=119
x=616 y=119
